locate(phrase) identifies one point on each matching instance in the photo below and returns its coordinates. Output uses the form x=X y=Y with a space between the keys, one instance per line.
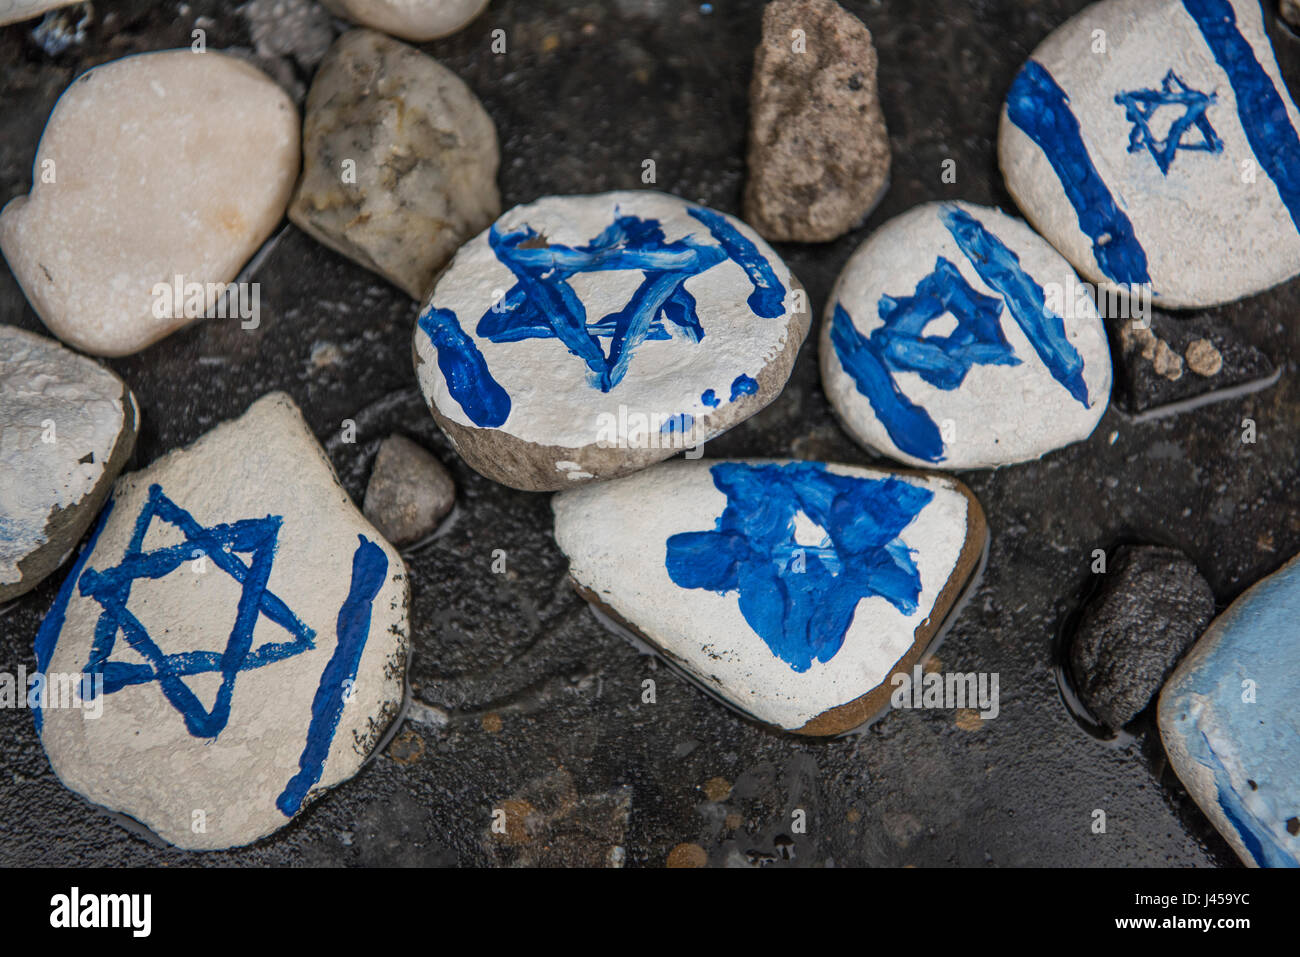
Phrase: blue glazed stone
x=957 y=338
x=1154 y=143
x=795 y=591
x=1230 y=724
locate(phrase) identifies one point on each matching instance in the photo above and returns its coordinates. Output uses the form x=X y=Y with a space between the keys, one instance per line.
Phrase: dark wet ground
x=543 y=705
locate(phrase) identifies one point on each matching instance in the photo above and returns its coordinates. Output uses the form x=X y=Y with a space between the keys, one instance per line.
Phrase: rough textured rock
x=1152 y=605
x=18 y=10
x=400 y=160
x=1168 y=365
x=417 y=20
x=818 y=147
x=1154 y=144
x=114 y=217
x=67 y=426
x=957 y=338
x=585 y=337
x=1230 y=726
x=409 y=492
x=300 y=29
x=242 y=631
x=793 y=591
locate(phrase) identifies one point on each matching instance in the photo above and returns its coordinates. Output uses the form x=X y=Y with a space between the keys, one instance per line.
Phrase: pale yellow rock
x=151 y=167
x=14 y=11
x=417 y=20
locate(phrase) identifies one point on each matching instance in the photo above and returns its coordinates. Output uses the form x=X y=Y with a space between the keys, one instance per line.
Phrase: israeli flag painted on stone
x=1154 y=143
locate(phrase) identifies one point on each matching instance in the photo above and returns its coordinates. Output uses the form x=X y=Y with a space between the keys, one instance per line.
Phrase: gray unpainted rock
x=1151 y=608
x=409 y=492
x=67 y=427
x=818 y=147
x=423 y=150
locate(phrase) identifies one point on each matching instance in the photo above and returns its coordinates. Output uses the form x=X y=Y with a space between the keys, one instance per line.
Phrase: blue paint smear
x=47 y=636
x=768 y=298
x=709 y=398
x=220 y=543
x=369 y=571
x=1260 y=107
x=1141 y=105
x=463 y=367
x=999 y=267
x=680 y=424
x=743 y=385
x=1041 y=109
x=803 y=616
x=1254 y=833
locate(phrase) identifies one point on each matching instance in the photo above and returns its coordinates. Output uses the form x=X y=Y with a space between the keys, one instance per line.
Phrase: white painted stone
x=151 y=167
x=619 y=536
x=558 y=425
x=999 y=413
x=67 y=426
x=417 y=20
x=217 y=785
x=1220 y=222
x=15 y=11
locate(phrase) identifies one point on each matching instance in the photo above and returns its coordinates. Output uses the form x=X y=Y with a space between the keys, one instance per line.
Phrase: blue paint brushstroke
x=743 y=385
x=111 y=588
x=709 y=398
x=1041 y=109
x=768 y=298
x=680 y=424
x=47 y=636
x=1260 y=107
x=803 y=616
x=369 y=571
x=1141 y=105
x=999 y=267
x=465 y=370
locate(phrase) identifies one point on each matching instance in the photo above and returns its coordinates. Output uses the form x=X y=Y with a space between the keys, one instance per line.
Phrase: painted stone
x=19 y=10
x=240 y=629
x=417 y=20
x=409 y=492
x=1151 y=606
x=1229 y=722
x=156 y=172
x=67 y=426
x=818 y=147
x=1154 y=144
x=422 y=154
x=793 y=590
x=957 y=338
x=585 y=337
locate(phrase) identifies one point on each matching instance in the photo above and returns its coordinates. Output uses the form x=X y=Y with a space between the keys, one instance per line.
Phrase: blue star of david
x=111 y=587
x=1140 y=106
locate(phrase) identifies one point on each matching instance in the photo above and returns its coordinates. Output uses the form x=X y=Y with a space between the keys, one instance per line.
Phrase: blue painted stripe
x=1041 y=109
x=463 y=367
x=1000 y=268
x=369 y=571
x=47 y=636
x=1260 y=107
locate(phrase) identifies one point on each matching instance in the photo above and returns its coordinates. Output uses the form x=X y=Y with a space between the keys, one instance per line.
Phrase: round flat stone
x=417 y=20
x=795 y=591
x=230 y=643
x=157 y=177
x=1154 y=144
x=67 y=427
x=584 y=337
x=957 y=338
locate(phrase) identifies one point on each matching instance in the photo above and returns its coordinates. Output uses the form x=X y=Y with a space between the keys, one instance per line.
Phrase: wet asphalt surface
x=532 y=703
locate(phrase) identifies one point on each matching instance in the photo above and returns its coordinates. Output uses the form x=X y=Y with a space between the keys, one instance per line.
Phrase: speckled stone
x=1229 y=722
x=409 y=493
x=818 y=147
x=67 y=427
x=151 y=167
x=243 y=632
x=400 y=160
x=417 y=20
